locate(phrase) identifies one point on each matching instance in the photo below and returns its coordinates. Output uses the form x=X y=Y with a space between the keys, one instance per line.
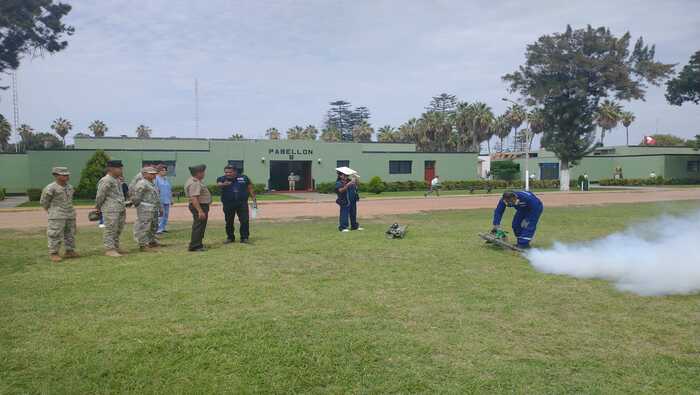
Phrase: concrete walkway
x=12 y=201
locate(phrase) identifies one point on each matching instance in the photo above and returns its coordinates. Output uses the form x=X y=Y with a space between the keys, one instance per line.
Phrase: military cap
x=149 y=170
x=197 y=168
x=114 y=163
x=61 y=171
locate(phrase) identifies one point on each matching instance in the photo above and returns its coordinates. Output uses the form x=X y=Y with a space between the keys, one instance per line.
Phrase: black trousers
x=199 y=226
x=230 y=212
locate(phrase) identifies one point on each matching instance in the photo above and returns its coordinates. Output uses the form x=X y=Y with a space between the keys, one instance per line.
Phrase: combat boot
x=113 y=253
x=55 y=258
x=71 y=254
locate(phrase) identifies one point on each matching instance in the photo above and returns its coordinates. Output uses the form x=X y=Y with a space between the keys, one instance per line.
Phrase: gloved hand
x=495 y=229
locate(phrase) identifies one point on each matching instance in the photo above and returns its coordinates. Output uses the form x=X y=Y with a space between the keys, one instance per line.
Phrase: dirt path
x=375 y=207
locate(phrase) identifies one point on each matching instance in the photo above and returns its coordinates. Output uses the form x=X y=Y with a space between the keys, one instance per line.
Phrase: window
x=169 y=163
x=400 y=167
x=342 y=163
x=238 y=164
x=693 y=166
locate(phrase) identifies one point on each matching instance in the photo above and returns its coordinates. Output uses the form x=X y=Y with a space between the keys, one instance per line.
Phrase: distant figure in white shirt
x=434 y=186
x=292 y=181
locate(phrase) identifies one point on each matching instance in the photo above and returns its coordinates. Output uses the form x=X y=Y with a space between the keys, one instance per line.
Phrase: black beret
x=114 y=163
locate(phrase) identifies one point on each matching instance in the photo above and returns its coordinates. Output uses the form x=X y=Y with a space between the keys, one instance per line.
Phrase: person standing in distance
x=110 y=203
x=200 y=199
x=292 y=179
x=165 y=192
x=57 y=200
x=145 y=198
x=236 y=189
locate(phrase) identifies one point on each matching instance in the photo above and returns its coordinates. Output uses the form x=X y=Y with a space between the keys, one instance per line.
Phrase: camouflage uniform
x=58 y=201
x=110 y=201
x=147 y=202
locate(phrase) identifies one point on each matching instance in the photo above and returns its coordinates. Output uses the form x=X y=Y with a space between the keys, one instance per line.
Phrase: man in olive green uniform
x=110 y=202
x=145 y=198
x=200 y=199
x=57 y=200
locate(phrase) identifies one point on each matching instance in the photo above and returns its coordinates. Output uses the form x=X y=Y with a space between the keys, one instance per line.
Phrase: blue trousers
x=163 y=221
x=525 y=226
x=348 y=216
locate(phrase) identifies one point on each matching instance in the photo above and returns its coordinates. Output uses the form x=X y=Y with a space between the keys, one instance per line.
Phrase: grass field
x=309 y=309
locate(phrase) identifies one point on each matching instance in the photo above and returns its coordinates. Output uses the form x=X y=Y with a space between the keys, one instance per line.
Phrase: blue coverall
x=528 y=210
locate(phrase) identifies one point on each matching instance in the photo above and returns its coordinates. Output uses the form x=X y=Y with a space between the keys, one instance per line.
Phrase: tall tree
x=569 y=73
x=273 y=134
x=31 y=27
x=435 y=132
x=516 y=115
x=310 y=132
x=61 y=127
x=444 y=103
x=501 y=128
x=340 y=117
x=25 y=132
x=607 y=117
x=463 y=122
x=331 y=135
x=5 y=133
x=98 y=128
x=295 y=133
x=387 y=134
x=362 y=133
x=143 y=132
x=535 y=119
x=408 y=131
x=482 y=120
x=627 y=117
x=686 y=85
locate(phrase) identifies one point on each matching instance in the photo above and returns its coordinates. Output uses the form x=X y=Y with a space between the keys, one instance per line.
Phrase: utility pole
x=15 y=109
x=196 y=108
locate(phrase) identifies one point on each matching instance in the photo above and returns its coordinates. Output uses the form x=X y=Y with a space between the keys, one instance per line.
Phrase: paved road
x=12 y=201
x=376 y=207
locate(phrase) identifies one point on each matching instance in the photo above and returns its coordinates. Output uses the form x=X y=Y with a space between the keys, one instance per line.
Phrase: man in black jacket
x=235 y=191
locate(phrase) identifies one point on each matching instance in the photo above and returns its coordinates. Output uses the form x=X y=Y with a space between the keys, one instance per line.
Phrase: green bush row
x=2 y=193
x=395 y=186
x=649 y=181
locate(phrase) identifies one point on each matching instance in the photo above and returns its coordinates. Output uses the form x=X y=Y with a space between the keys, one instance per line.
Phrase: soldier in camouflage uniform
x=110 y=202
x=145 y=198
x=57 y=200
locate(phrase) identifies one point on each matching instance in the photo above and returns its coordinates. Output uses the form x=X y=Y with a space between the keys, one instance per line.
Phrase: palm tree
x=237 y=137
x=536 y=120
x=607 y=117
x=143 y=132
x=387 y=134
x=295 y=133
x=331 y=135
x=362 y=133
x=627 y=117
x=273 y=134
x=463 y=125
x=5 y=133
x=98 y=128
x=482 y=118
x=61 y=127
x=501 y=128
x=310 y=132
x=516 y=116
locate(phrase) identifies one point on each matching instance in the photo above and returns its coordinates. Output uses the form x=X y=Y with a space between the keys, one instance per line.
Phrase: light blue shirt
x=165 y=190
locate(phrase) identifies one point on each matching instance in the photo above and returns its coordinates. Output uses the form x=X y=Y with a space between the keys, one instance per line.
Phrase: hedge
x=396 y=186
x=2 y=193
x=649 y=181
x=34 y=194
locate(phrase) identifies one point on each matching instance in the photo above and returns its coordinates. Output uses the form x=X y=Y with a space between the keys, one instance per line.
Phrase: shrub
x=2 y=193
x=505 y=169
x=34 y=194
x=259 y=189
x=325 y=187
x=649 y=181
x=376 y=185
x=90 y=175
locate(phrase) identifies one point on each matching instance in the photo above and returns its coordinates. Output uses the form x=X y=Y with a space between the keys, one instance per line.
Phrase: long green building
x=634 y=161
x=265 y=161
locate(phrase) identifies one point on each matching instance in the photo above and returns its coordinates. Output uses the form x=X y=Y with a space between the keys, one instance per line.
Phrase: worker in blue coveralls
x=528 y=209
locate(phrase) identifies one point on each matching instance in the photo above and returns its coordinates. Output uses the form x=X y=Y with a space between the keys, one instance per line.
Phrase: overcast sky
x=278 y=63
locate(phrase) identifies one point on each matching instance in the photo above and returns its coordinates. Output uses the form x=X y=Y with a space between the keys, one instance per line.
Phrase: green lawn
x=309 y=309
x=81 y=202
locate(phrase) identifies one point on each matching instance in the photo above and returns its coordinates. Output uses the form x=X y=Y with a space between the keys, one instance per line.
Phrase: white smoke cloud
x=659 y=257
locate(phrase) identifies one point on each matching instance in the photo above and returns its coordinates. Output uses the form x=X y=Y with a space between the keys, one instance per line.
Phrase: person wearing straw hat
x=109 y=201
x=57 y=200
x=145 y=198
x=346 y=190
